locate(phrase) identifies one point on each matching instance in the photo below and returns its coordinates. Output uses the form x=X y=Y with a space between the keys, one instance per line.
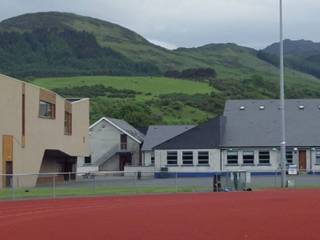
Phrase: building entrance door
x=7 y=159
x=302 y=160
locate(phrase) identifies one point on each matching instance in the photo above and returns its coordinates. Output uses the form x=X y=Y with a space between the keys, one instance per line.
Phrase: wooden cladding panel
x=7 y=148
x=47 y=96
x=23 y=117
x=68 y=107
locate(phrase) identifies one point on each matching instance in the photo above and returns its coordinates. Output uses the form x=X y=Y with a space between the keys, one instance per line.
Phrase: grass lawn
x=153 y=85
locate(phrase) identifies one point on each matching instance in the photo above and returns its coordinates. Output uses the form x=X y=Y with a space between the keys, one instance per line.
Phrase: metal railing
x=75 y=184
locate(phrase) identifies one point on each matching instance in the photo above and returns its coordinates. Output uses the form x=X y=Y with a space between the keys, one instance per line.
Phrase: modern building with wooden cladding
x=40 y=132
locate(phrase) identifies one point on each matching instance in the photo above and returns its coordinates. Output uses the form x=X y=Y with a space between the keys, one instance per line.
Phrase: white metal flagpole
x=282 y=105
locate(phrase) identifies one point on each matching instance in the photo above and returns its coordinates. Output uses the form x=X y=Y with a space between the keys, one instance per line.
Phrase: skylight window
x=262 y=107
x=301 y=107
x=242 y=108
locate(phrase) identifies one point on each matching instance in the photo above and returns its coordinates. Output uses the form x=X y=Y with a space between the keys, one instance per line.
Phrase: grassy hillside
x=57 y=45
x=301 y=55
x=65 y=44
x=153 y=85
x=140 y=100
x=158 y=100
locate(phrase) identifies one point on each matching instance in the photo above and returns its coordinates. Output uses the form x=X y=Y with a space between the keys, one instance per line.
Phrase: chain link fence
x=56 y=185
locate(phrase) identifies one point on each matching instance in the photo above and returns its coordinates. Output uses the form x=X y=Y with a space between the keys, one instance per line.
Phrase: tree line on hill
x=52 y=52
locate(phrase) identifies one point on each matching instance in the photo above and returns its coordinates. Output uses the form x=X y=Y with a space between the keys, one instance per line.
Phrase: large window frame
x=187 y=158
x=67 y=123
x=248 y=157
x=123 y=142
x=232 y=157
x=289 y=157
x=88 y=160
x=264 y=157
x=47 y=110
x=203 y=158
x=318 y=156
x=172 y=158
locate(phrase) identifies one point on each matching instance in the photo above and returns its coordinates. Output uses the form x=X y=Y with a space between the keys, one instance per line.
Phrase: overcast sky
x=189 y=23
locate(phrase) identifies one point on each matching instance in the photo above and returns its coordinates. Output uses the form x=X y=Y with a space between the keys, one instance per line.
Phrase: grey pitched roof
x=158 y=134
x=122 y=126
x=204 y=136
x=254 y=126
x=128 y=128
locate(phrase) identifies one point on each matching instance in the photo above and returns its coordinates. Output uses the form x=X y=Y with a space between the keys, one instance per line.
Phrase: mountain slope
x=301 y=55
x=65 y=44
x=52 y=44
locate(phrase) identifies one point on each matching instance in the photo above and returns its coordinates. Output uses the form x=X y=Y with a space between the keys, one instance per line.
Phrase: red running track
x=222 y=216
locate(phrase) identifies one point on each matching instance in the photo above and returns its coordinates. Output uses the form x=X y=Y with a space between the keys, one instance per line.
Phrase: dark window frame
x=49 y=112
x=203 y=158
x=172 y=158
x=248 y=157
x=232 y=157
x=264 y=157
x=123 y=141
x=317 y=156
x=88 y=160
x=289 y=157
x=67 y=123
x=187 y=157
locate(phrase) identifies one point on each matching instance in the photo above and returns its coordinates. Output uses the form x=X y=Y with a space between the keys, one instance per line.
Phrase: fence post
x=94 y=183
x=12 y=187
x=176 y=181
x=54 y=187
x=135 y=182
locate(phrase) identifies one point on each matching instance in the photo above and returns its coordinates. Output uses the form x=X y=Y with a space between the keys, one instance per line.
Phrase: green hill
x=139 y=100
x=57 y=50
x=301 y=55
x=65 y=44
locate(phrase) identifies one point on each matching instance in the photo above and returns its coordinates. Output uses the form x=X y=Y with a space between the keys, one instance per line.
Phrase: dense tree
x=53 y=52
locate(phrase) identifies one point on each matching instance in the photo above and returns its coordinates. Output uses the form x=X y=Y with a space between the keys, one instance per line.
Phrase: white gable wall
x=106 y=138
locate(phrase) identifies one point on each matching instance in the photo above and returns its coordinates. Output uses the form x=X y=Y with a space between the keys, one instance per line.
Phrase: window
x=67 y=123
x=152 y=158
x=87 y=160
x=248 y=157
x=172 y=158
x=123 y=142
x=264 y=157
x=187 y=158
x=232 y=157
x=47 y=110
x=203 y=158
x=318 y=156
x=289 y=157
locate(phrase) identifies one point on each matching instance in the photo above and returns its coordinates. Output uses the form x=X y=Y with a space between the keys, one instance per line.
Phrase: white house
x=114 y=144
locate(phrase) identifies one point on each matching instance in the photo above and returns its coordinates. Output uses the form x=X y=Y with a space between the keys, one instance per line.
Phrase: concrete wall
x=111 y=165
x=273 y=166
x=106 y=138
x=146 y=156
x=214 y=161
x=218 y=161
x=40 y=134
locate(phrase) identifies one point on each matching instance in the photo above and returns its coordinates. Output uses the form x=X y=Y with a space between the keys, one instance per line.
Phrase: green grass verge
x=34 y=193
